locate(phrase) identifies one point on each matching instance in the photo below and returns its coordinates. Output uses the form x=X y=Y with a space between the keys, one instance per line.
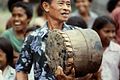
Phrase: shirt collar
x=114 y=46
x=45 y=28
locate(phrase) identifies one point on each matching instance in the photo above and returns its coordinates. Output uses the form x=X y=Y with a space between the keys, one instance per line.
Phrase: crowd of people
x=22 y=47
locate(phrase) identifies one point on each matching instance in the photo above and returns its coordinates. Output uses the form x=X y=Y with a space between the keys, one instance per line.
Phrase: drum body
x=80 y=49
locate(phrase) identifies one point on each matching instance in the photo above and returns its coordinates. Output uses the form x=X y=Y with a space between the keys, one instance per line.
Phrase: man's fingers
x=59 y=71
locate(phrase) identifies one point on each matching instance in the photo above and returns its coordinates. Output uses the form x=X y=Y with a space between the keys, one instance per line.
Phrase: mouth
x=65 y=14
x=17 y=23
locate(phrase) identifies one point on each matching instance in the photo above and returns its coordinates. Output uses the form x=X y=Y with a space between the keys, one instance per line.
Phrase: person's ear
x=46 y=6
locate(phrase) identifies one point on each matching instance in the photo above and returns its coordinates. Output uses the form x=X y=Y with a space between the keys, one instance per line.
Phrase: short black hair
x=6 y=47
x=77 y=21
x=10 y=3
x=26 y=6
x=101 y=21
x=111 y=5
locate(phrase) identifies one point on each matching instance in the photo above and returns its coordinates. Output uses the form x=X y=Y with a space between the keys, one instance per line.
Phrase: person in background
x=110 y=27
x=21 y=17
x=77 y=21
x=116 y=17
x=83 y=10
x=6 y=60
x=106 y=29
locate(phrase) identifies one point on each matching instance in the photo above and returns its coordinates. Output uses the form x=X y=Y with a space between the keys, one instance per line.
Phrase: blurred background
x=98 y=6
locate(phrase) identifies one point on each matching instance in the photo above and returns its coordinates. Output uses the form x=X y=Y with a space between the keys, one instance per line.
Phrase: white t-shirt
x=111 y=62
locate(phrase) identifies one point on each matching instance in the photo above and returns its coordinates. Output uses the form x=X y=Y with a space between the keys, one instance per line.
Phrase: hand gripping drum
x=76 y=49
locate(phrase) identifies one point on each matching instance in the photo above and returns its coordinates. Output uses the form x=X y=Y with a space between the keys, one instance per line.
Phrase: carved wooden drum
x=79 y=49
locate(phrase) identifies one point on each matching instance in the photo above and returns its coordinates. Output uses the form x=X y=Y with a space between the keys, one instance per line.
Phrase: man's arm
x=24 y=63
x=21 y=76
x=61 y=76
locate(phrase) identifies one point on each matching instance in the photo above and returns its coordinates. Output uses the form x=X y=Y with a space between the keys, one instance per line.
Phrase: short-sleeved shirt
x=33 y=52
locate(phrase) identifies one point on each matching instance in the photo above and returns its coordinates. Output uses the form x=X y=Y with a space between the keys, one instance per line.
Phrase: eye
x=68 y=4
x=60 y=3
x=113 y=31
x=107 y=31
x=20 y=15
x=13 y=15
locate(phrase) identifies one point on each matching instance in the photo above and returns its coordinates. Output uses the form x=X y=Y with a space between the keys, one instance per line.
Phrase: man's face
x=60 y=10
x=82 y=6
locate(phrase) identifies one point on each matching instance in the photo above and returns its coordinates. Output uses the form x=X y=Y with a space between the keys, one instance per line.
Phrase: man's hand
x=61 y=76
x=21 y=76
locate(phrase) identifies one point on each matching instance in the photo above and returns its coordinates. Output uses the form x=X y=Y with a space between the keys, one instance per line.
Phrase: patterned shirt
x=33 y=52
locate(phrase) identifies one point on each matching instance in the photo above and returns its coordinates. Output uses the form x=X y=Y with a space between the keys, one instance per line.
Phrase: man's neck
x=53 y=24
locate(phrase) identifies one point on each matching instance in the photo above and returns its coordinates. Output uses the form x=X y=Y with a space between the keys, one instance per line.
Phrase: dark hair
x=101 y=21
x=77 y=21
x=39 y=10
x=10 y=3
x=88 y=0
x=26 y=6
x=6 y=47
x=111 y=5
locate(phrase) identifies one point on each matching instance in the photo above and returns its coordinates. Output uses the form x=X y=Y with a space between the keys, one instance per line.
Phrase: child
x=6 y=60
x=106 y=28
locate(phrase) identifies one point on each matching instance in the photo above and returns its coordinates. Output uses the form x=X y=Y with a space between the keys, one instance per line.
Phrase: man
x=33 y=51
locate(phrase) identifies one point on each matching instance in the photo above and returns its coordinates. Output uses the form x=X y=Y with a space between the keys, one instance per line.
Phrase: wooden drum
x=78 y=49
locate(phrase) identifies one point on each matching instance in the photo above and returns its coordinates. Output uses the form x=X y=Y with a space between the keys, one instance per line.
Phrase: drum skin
x=80 y=49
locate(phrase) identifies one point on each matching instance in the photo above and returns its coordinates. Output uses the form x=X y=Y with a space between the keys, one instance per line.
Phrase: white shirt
x=111 y=62
x=1 y=76
x=9 y=73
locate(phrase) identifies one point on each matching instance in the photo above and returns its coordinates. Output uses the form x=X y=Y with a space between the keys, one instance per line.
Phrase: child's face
x=3 y=60
x=107 y=33
x=19 y=19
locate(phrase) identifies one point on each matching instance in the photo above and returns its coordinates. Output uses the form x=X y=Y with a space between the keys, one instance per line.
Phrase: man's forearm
x=21 y=76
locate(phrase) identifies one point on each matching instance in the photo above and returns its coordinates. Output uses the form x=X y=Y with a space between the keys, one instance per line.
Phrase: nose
x=16 y=18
